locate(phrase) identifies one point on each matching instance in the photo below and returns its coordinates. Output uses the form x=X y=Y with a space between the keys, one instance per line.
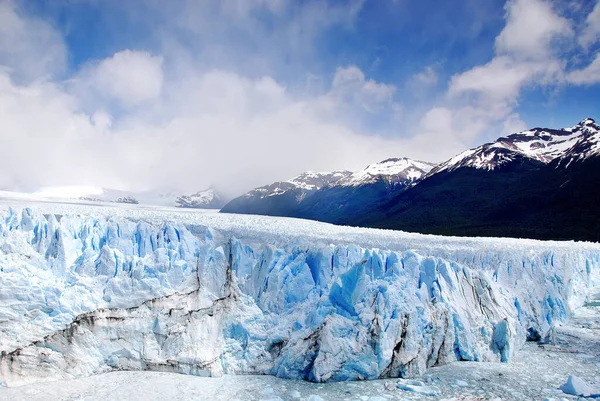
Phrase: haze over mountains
x=209 y=198
x=330 y=196
x=539 y=183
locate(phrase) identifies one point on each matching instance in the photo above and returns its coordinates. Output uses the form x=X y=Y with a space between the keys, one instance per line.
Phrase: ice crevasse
x=83 y=294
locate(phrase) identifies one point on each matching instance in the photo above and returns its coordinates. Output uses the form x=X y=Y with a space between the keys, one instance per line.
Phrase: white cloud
x=221 y=111
x=512 y=124
x=140 y=120
x=350 y=85
x=231 y=34
x=531 y=27
x=530 y=52
x=241 y=8
x=29 y=48
x=524 y=54
x=486 y=96
x=501 y=80
x=129 y=77
x=47 y=138
x=351 y=75
x=101 y=120
x=206 y=128
x=587 y=76
x=426 y=78
x=451 y=129
x=376 y=63
x=591 y=31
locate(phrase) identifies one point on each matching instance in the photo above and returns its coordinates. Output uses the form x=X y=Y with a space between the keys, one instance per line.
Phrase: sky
x=180 y=95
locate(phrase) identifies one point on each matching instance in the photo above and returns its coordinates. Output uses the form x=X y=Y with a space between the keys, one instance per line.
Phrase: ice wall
x=81 y=295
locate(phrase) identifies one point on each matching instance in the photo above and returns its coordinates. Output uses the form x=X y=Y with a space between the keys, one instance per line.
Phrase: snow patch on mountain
x=312 y=181
x=391 y=170
x=207 y=199
x=307 y=181
x=587 y=146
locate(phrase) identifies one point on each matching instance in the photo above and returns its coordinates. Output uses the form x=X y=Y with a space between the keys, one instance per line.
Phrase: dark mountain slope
x=333 y=197
x=529 y=199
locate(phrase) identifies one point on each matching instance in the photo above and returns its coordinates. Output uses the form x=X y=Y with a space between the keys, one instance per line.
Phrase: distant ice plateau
x=92 y=289
x=205 y=199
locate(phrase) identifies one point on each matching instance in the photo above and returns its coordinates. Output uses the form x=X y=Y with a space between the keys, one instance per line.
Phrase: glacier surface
x=88 y=289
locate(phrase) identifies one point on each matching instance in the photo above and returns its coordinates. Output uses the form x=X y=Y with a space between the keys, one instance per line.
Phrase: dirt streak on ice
x=535 y=374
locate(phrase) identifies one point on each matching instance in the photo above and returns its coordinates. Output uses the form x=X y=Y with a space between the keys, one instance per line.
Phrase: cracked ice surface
x=536 y=373
x=89 y=289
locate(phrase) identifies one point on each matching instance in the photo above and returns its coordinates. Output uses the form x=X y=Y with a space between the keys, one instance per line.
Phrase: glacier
x=88 y=289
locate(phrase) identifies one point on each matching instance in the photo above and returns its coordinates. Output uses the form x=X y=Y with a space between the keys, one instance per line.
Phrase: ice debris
x=417 y=386
x=577 y=386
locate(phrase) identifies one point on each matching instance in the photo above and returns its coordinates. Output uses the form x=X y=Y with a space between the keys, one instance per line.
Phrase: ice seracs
x=88 y=290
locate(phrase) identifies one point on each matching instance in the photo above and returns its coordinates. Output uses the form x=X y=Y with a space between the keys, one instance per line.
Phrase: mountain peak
x=206 y=199
x=393 y=170
x=394 y=160
x=585 y=125
x=310 y=180
x=538 y=144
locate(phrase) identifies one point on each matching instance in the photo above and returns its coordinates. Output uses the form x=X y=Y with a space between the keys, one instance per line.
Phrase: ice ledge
x=117 y=293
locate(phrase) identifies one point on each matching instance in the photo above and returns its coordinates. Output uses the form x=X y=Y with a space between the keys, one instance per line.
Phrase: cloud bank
x=184 y=115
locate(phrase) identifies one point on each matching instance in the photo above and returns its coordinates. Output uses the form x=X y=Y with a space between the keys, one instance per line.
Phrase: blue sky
x=145 y=94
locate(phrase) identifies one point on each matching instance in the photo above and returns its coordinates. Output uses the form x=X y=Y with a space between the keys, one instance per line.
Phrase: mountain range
x=540 y=183
x=331 y=196
x=205 y=199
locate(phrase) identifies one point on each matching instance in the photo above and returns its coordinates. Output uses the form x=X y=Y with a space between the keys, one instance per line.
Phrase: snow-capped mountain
x=207 y=199
x=537 y=183
x=393 y=171
x=307 y=181
x=356 y=194
x=539 y=144
x=587 y=146
x=283 y=198
x=316 y=195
